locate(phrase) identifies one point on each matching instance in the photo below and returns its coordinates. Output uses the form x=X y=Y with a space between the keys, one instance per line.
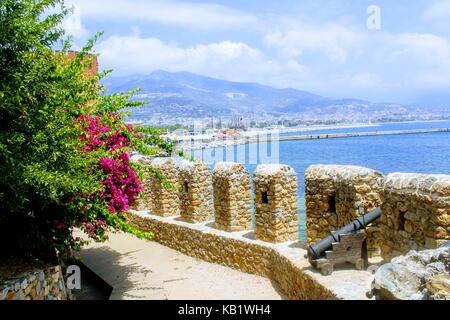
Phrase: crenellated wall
x=416 y=213
x=415 y=207
x=164 y=201
x=276 y=216
x=196 y=191
x=336 y=195
x=232 y=197
x=214 y=224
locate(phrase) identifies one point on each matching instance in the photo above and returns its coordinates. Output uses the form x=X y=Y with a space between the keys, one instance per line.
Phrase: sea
x=416 y=153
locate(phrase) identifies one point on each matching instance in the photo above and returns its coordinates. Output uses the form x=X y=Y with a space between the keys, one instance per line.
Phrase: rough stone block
x=196 y=191
x=336 y=195
x=276 y=217
x=164 y=201
x=416 y=209
x=232 y=197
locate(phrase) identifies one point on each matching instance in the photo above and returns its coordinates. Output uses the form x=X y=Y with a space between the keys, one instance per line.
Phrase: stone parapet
x=275 y=190
x=164 y=201
x=416 y=213
x=284 y=263
x=46 y=284
x=196 y=192
x=415 y=207
x=336 y=195
x=232 y=197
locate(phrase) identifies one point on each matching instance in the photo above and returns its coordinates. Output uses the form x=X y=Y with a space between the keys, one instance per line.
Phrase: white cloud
x=335 y=40
x=229 y=60
x=343 y=58
x=438 y=10
x=191 y=14
x=423 y=47
x=388 y=62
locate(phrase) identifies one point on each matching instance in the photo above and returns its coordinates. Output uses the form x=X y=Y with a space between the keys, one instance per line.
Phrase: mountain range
x=187 y=95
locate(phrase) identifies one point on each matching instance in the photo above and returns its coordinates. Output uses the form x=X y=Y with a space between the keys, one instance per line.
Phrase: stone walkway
x=142 y=269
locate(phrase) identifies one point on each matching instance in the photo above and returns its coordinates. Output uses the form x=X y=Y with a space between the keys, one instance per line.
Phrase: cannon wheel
x=326 y=269
x=359 y=264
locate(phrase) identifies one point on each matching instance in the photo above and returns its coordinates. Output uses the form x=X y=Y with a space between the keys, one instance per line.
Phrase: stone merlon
x=431 y=184
x=340 y=172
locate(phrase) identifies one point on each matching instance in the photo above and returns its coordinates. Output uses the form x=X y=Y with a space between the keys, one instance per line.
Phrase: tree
x=64 y=148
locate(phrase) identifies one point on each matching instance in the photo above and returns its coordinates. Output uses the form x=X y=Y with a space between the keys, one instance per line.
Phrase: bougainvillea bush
x=64 y=148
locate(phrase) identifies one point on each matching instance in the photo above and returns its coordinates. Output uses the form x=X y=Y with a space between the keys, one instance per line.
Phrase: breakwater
x=348 y=135
x=239 y=140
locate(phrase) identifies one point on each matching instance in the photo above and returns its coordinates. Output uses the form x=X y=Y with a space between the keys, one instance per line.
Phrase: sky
x=382 y=51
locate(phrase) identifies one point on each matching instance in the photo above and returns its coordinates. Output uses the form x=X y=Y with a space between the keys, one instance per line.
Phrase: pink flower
x=122 y=185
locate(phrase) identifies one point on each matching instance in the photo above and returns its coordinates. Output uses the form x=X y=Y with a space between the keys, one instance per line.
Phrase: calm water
x=421 y=153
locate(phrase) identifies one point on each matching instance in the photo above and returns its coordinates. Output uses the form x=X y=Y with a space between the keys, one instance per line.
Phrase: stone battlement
x=276 y=217
x=430 y=184
x=416 y=213
x=232 y=197
x=225 y=196
x=209 y=215
x=340 y=173
x=336 y=195
x=415 y=207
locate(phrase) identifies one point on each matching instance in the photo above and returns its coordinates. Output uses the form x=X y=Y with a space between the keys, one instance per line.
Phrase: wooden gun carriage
x=347 y=244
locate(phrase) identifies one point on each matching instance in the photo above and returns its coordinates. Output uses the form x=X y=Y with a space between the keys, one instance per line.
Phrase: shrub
x=64 y=148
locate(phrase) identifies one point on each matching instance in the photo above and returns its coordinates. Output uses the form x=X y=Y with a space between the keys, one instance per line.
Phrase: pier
x=219 y=143
x=347 y=135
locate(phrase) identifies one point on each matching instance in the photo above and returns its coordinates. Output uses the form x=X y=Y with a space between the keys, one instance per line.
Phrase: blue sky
x=321 y=46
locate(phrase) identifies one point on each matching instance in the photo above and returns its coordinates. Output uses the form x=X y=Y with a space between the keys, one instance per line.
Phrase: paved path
x=142 y=269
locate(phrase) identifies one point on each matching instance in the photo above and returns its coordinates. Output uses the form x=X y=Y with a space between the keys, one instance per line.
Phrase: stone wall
x=276 y=216
x=416 y=210
x=164 y=201
x=232 y=197
x=416 y=213
x=336 y=195
x=45 y=284
x=283 y=263
x=196 y=191
x=144 y=201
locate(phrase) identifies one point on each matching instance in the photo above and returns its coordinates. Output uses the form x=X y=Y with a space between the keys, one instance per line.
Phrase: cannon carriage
x=345 y=245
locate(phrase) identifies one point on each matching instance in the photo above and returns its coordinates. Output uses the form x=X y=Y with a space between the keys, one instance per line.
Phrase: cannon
x=346 y=244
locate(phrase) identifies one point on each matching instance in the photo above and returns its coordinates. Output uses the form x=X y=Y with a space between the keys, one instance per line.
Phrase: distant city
x=182 y=100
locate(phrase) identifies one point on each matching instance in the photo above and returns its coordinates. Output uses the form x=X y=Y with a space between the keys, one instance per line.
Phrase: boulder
x=418 y=275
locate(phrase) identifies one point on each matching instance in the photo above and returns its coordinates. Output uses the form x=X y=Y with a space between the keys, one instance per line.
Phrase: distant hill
x=183 y=94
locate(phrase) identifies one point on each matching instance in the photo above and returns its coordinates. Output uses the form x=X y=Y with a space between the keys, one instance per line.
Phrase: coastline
x=308 y=128
x=210 y=141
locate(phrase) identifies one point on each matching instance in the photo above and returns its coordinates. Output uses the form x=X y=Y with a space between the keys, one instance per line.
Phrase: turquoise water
x=420 y=153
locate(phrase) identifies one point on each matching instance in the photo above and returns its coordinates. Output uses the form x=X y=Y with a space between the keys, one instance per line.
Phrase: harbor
x=226 y=141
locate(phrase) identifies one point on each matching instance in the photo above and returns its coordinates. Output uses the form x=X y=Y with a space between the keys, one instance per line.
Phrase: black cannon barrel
x=316 y=250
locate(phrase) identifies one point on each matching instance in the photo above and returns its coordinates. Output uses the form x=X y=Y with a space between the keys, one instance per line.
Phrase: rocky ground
x=418 y=275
